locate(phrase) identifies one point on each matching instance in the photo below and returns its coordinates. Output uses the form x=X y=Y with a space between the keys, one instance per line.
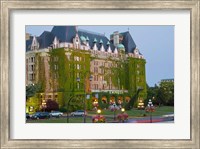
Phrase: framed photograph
x=100 y=74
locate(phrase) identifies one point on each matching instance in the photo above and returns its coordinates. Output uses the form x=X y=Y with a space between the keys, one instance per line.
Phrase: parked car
x=27 y=116
x=78 y=113
x=169 y=117
x=56 y=114
x=40 y=115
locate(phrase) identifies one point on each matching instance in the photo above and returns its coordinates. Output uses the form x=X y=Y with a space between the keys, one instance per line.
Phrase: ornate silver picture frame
x=6 y=84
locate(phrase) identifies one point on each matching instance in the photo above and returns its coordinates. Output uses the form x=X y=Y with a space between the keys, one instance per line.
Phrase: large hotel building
x=68 y=61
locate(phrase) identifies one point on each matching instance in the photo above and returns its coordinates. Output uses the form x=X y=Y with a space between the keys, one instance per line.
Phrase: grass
x=138 y=113
x=159 y=111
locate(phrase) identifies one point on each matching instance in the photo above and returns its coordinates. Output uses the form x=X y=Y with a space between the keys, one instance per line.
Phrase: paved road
x=155 y=119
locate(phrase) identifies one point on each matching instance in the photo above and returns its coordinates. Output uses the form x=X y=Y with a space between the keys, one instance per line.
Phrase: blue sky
x=156 y=43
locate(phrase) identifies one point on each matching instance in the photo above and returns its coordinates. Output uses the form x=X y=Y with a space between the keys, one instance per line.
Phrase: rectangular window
x=55 y=67
x=78 y=85
x=102 y=70
x=78 y=75
x=95 y=70
x=96 y=86
x=55 y=58
x=78 y=66
x=31 y=59
x=55 y=76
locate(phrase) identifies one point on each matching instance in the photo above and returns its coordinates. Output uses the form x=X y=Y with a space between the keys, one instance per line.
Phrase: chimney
x=116 y=38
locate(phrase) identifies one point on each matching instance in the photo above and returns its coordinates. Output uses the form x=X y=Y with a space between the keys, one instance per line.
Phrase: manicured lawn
x=138 y=113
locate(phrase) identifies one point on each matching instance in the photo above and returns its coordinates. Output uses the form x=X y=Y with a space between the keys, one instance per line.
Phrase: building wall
x=57 y=70
x=30 y=68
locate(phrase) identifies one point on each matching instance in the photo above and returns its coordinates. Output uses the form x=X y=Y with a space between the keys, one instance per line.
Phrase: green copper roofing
x=101 y=41
x=108 y=43
x=87 y=38
x=95 y=40
x=120 y=46
x=83 y=38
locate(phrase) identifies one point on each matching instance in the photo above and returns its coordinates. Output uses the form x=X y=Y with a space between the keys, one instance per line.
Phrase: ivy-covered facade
x=73 y=64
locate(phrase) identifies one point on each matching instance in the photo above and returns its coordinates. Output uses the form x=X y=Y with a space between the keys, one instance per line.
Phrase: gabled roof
x=64 y=33
x=128 y=42
x=45 y=39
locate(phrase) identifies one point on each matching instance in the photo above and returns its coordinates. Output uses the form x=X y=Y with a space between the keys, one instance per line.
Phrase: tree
x=166 y=93
x=32 y=89
x=76 y=104
x=51 y=105
x=162 y=94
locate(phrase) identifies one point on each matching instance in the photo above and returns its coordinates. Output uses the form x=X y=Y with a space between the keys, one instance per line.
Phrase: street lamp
x=123 y=110
x=150 y=107
x=78 y=80
x=99 y=112
x=114 y=105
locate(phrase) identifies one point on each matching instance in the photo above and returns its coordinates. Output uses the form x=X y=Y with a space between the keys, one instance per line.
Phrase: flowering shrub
x=95 y=104
x=122 y=117
x=148 y=109
x=98 y=119
x=114 y=108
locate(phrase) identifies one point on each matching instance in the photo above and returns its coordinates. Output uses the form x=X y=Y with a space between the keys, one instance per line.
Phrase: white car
x=56 y=114
x=78 y=113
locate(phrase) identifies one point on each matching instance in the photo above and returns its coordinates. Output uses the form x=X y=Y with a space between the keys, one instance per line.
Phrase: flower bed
x=122 y=117
x=98 y=119
x=148 y=109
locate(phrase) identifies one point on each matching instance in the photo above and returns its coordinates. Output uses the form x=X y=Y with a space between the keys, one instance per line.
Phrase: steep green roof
x=95 y=40
x=83 y=38
x=120 y=46
x=87 y=38
x=101 y=41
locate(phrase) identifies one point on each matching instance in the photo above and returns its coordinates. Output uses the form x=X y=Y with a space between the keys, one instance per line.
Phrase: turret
x=35 y=44
x=95 y=45
x=109 y=49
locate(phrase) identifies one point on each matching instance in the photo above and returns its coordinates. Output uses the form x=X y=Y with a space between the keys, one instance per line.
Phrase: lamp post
x=114 y=105
x=150 y=106
x=99 y=112
x=68 y=108
x=78 y=80
x=123 y=110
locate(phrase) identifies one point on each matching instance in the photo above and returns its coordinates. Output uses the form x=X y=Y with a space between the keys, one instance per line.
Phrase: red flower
x=122 y=116
x=98 y=119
